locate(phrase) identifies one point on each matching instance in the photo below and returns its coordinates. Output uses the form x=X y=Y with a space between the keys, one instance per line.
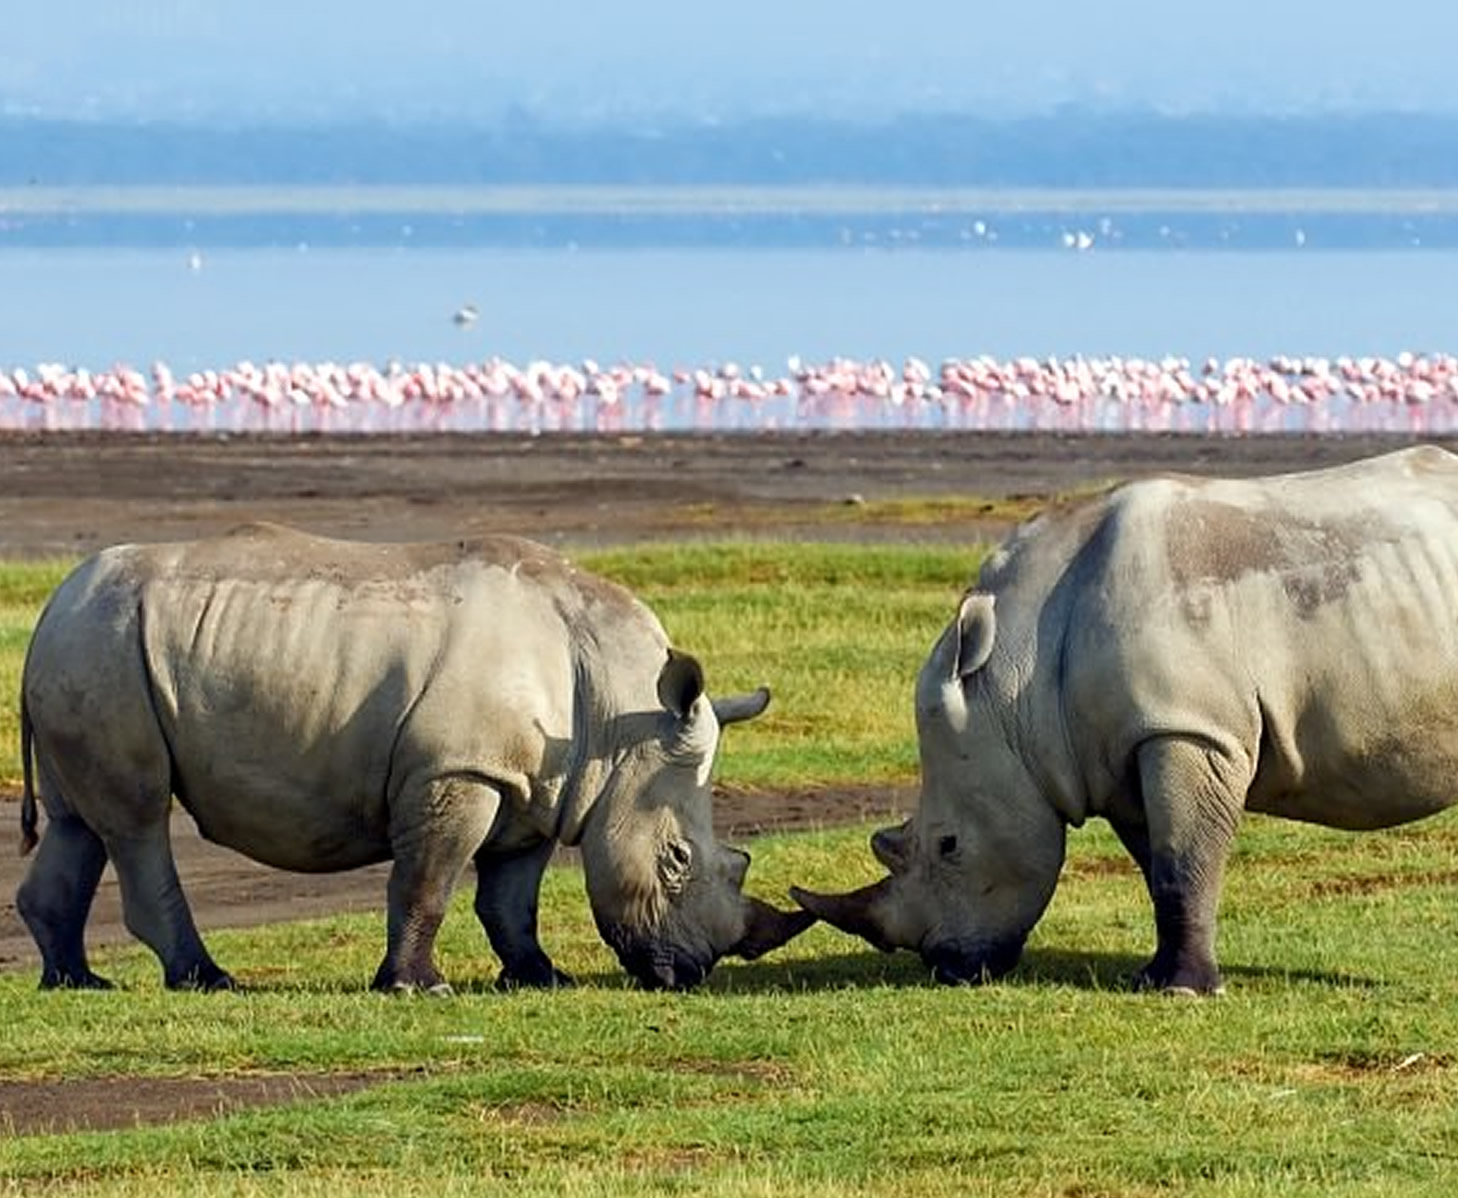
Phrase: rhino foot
x=206 y=978
x=1188 y=992
x=429 y=990
x=1179 y=982
x=551 y=978
x=56 y=980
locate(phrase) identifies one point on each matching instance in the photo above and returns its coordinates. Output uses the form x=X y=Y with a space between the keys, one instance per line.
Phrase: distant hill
x=1075 y=148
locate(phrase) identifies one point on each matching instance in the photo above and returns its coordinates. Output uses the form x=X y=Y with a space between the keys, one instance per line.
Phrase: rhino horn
x=767 y=928
x=860 y=912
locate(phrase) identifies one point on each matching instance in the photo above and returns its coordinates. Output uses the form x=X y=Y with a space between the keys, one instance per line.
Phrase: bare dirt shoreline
x=64 y=495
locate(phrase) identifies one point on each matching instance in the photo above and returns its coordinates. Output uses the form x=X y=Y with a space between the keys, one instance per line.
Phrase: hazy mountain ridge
x=1077 y=148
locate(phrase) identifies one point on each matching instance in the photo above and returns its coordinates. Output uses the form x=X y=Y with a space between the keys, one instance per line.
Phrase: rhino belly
x=293 y=789
x=1362 y=765
x=1360 y=795
x=279 y=823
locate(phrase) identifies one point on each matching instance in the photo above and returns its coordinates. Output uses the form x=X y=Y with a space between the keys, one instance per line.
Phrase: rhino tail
x=28 y=837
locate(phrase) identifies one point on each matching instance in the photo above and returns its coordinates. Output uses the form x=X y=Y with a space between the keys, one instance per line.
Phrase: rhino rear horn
x=857 y=912
x=767 y=928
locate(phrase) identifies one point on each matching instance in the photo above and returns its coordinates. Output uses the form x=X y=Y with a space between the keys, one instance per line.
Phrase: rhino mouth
x=663 y=969
x=659 y=964
x=654 y=963
x=963 y=965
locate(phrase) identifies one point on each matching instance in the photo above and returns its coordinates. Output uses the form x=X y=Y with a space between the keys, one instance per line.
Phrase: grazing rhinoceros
x=319 y=705
x=1169 y=655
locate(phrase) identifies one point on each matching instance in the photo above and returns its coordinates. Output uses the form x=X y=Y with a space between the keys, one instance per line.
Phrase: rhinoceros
x=319 y=705
x=1168 y=655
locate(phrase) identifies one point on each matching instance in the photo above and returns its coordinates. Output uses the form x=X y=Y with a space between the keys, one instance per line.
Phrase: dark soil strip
x=109 y=1103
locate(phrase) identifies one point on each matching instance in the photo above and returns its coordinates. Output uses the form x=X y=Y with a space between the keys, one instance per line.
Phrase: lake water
x=729 y=290
x=97 y=307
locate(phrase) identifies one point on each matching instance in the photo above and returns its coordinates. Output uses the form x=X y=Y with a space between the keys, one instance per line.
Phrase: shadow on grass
x=1040 y=967
x=1045 y=967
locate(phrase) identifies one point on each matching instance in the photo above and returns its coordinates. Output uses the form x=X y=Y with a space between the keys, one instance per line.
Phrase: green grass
x=24 y=588
x=836 y=631
x=1330 y=1067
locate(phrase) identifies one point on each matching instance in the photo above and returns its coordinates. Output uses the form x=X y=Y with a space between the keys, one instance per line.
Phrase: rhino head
x=973 y=870
x=666 y=896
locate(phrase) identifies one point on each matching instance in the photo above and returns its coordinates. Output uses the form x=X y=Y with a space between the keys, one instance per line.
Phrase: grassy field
x=1330 y=1067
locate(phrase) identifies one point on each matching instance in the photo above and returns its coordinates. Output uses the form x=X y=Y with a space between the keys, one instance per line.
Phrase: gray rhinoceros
x=1168 y=655
x=320 y=705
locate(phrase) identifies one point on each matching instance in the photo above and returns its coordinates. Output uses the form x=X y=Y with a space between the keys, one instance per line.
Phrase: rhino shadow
x=1078 y=969
x=1047 y=967
x=1115 y=971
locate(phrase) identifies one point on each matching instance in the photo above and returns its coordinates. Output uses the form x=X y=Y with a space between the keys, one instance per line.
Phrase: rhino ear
x=680 y=683
x=892 y=847
x=976 y=631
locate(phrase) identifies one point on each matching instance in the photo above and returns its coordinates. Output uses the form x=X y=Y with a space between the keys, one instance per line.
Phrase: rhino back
x=1308 y=620
x=301 y=682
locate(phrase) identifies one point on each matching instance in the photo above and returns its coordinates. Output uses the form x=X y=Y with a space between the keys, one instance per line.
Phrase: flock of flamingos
x=1410 y=393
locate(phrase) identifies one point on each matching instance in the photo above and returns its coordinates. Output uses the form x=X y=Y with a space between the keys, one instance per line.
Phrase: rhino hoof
x=206 y=979
x=1191 y=992
x=86 y=981
x=552 y=979
x=408 y=989
x=1194 y=984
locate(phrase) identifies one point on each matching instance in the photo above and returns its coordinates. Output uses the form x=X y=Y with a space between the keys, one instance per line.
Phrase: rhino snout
x=664 y=970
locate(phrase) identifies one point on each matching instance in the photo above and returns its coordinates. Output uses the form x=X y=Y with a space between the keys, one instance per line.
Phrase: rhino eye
x=947 y=845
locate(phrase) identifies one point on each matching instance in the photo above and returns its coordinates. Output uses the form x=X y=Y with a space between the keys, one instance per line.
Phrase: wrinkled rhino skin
x=1169 y=655
x=319 y=705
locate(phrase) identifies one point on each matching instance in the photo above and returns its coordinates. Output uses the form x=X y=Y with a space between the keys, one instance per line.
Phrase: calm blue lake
x=95 y=307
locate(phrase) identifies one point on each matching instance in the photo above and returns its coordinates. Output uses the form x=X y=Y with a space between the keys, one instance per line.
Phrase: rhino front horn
x=767 y=928
x=857 y=912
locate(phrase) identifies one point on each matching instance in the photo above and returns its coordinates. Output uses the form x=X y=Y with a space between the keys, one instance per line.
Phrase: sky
x=655 y=59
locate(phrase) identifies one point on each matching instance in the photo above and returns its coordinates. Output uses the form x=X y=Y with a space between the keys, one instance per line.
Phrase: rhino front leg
x=434 y=833
x=55 y=900
x=156 y=912
x=1193 y=795
x=508 y=886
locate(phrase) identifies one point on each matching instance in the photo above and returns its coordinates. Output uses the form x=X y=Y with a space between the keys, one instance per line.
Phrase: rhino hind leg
x=507 y=889
x=155 y=910
x=435 y=831
x=1193 y=795
x=55 y=900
